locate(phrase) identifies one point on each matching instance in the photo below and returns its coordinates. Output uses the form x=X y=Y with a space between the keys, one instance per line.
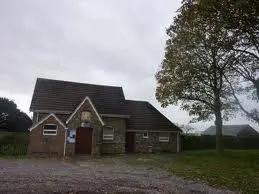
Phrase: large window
x=164 y=137
x=108 y=133
x=50 y=129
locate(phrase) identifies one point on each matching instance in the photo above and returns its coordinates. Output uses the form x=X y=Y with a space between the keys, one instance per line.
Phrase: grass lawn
x=235 y=169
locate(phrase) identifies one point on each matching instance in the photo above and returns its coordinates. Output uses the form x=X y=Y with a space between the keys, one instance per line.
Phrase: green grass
x=235 y=169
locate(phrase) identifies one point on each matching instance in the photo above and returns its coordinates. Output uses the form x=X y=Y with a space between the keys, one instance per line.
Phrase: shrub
x=14 y=144
x=191 y=142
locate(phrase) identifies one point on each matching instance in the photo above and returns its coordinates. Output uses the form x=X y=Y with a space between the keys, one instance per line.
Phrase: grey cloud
x=48 y=38
x=103 y=42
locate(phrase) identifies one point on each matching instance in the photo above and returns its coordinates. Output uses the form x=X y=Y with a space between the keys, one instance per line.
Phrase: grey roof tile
x=144 y=116
x=57 y=95
x=229 y=130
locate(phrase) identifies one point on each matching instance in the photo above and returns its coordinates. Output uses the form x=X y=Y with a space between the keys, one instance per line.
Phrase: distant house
x=232 y=130
x=75 y=118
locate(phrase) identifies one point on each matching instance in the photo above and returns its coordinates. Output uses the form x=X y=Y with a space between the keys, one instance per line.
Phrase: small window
x=50 y=129
x=145 y=134
x=108 y=133
x=164 y=137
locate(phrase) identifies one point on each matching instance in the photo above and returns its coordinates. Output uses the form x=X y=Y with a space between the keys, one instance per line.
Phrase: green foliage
x=241 y=19
x=195 y=65
x=209 y=142
x=13 y=144
x=13 y=149
x=211 y=53
x=11 y=118
x=7 y=106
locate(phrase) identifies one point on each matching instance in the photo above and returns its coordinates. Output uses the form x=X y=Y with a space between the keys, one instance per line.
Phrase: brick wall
x=39 y=143
x=153 y=140
x=75 y=122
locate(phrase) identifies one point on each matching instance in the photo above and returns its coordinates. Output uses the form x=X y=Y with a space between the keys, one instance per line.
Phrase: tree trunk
x=257 y=87
x=218 y=123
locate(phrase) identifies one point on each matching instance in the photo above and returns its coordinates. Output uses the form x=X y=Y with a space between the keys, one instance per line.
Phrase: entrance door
x=130 y=142
x=83 y=140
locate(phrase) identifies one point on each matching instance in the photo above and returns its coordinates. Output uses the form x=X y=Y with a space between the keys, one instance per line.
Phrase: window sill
x=109 y=142
x=164 y=141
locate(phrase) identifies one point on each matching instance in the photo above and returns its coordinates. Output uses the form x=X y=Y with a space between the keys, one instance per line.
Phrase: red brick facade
x=39 y=143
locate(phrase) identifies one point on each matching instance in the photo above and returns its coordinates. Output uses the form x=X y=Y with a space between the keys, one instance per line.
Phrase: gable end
x=50 y=115
x=80 y=105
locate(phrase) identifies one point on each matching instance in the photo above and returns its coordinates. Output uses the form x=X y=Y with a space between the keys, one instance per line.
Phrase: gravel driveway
x=53 y=176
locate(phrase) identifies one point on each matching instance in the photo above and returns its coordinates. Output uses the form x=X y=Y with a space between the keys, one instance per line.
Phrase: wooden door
x=130 y=142
x=83 y=140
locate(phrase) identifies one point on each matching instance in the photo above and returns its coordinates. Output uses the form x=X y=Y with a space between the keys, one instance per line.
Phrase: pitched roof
x=229 y=130
x=63 y=97
x=144 y=116
x=57 y=95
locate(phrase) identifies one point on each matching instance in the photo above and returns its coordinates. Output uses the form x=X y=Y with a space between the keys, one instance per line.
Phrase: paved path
x=53 y=176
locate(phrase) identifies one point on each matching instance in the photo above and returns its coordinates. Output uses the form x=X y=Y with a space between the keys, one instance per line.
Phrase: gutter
x=115 y=116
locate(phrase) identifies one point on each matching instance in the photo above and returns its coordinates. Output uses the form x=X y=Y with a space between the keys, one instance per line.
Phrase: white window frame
x=163 y=138
x=145 y=136
x=109 y=137
x=45 y=131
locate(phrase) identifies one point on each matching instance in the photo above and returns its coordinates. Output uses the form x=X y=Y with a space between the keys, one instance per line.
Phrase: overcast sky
x=115 y=42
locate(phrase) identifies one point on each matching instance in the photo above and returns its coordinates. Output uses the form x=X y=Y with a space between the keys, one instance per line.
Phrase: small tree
x=195 y=66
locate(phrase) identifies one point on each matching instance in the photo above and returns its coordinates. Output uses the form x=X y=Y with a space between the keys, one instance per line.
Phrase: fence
x=209 y=142
x=13 y=144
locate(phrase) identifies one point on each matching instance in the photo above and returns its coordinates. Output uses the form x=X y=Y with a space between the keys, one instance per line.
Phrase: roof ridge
x=137 y=101
x=74 y=82
x=231 y=125
x=237 y=125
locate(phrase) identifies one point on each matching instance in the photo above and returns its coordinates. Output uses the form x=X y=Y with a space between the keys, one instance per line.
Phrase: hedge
x=13 y=144
x=209 y=142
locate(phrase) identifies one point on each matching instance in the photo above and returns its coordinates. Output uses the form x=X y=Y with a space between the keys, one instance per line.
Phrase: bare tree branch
x=247 y=52
x=248 y=114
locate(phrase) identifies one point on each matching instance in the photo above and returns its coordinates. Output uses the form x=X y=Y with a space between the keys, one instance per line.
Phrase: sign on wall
x=85 y=119
x=71 y=136
x=85 y=116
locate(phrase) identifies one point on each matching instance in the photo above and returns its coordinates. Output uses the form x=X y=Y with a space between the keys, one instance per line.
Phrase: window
x=164 y=137
x=50 y=129
x=108 y=133
x=145 y=134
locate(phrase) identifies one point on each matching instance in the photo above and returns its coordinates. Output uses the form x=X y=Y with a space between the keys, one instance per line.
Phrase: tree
x=187 y=129
x=241 y=19
x=11 y=118
x=195 y=66
x=7 y=107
